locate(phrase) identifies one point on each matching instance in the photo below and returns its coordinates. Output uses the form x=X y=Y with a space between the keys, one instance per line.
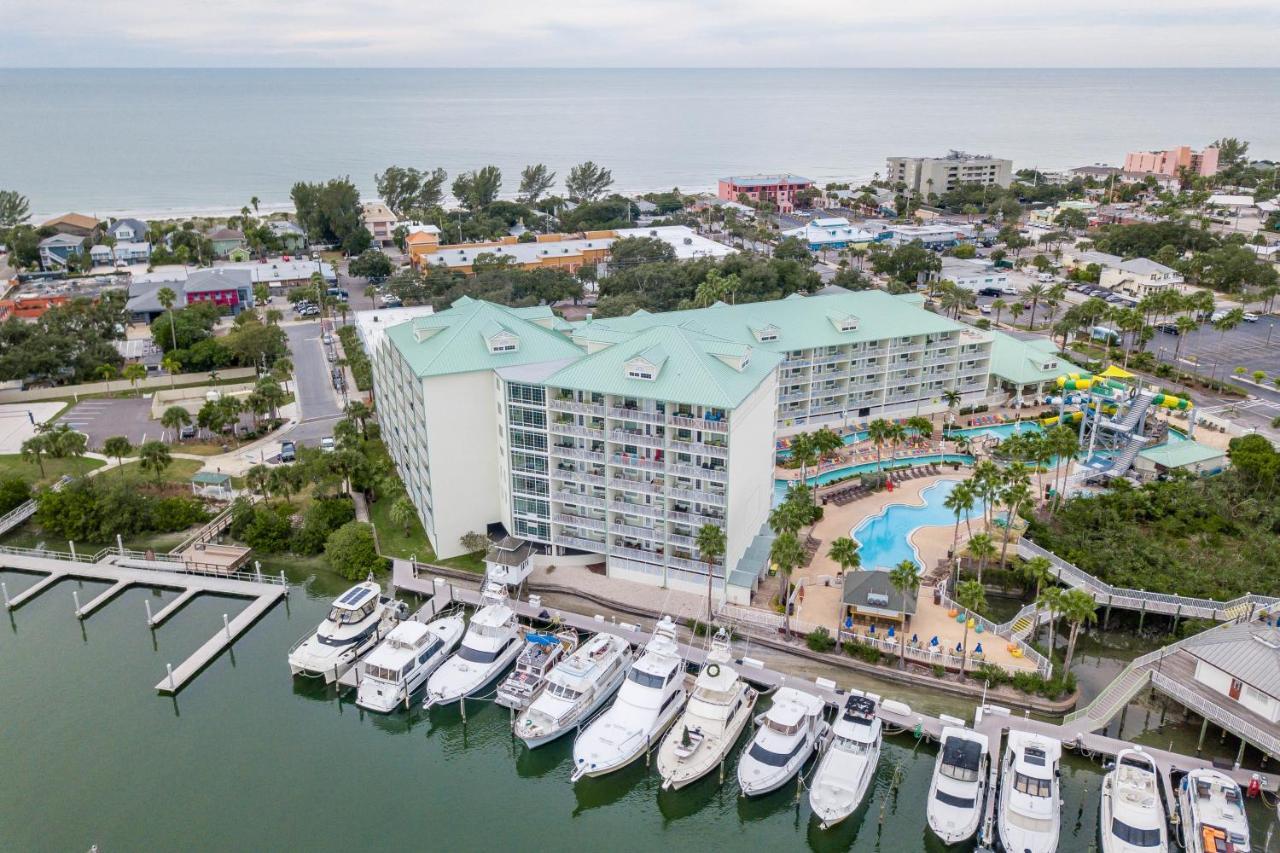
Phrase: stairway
x=1124 y=460
x=1115 y=696
x=1137 y=408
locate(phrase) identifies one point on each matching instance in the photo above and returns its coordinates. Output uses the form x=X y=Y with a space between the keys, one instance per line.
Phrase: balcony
x=697 y=495
x=685 y=541
x=627 y=436
x=573 y=475
x=689 y=565
x=694 y=519
x=623 y=529
x=570 y=541
x=579 y=499
x=719 y=451
x=832 y=359
x=639 y=486
x=700 y=423
x=638 y=554
x=716 y=475
x=577 y=453
x=576 y=407
x=579 y=431
x=627 y=460
x=640 y=415
x=795 y=397
x=647 y=510
x=581 y=521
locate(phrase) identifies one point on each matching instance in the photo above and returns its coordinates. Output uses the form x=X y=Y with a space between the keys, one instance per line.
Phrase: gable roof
x=455 y=340
x=690 y=368
x=858 y=586
x=1248 y=651
x=1177 y=454
x=226 y=234
x=75 y=220
x=1022 y=362
x=139 y=227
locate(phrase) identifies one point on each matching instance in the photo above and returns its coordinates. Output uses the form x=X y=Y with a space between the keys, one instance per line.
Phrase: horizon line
x=640 y=68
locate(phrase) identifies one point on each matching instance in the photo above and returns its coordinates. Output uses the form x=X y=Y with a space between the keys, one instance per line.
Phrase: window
x=775 y=759
x=529 y=394
x=520 y=416
x=950 y=800
x=523 y=440
x=528 y=463
x=645 y=679
x=640 y=372
x=477 y=656
x=531 y=506
x=529 y=485
x=1133 y=835
x=1030 y=785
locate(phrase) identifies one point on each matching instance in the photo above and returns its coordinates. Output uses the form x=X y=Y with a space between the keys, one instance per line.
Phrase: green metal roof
x=1021 y=362
x=458 y=340
x=689 y=365
x=211 y=478
x=1178 y=454
x=802 y=321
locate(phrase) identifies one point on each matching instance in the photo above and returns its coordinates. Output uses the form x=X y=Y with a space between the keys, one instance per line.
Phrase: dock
x=991 y=720
x=123 y=570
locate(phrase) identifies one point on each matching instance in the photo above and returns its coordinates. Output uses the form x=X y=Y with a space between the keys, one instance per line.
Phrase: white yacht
x=401 y=663
x=1030 y=810
x=959 y=781
x=849 y=763
x=492 y=641
x=648 y=701
x=358 y=619
x=576 y=687
x=1213 y=817
x=541 y=652
x=789 y=732
x=718 y=709
x=1132 y=817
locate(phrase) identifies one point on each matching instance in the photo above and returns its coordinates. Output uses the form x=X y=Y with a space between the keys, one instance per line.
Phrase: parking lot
x=1253 y=346
x=100 y=419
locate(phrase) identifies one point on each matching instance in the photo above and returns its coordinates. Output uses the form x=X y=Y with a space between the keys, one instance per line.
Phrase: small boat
x=718 y=710
x=1030 y=809
x=1132 y=816
x=958 y=784
x=652 y=694
x=491 y=643
x=1213 y=816
x=401 y=663
x=789 y=732
x=575 y=689
x=541 y=652
x=358 y=619
x=849 y=763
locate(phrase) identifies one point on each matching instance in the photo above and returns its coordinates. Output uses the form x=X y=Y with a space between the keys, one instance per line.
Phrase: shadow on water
x=594 y=792
x=537 y=763
x=693 y=798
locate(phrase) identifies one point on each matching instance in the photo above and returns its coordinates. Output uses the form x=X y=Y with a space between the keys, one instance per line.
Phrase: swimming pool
x=885 y=538
x=780 y=486
x=1002 y=431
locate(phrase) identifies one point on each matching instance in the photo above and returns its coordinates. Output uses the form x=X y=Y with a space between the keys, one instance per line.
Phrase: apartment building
x=778 y=190
x=1172 y=160
x=380 y=222
x=937 y=175
x=597 y=443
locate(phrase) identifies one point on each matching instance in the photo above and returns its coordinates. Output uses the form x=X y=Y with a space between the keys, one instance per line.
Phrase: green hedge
x=358 y=360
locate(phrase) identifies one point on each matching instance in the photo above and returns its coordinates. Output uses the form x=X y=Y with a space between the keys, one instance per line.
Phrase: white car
x=985 y=309
x=1250 y=317
x=1009 y=290
x=326 y=444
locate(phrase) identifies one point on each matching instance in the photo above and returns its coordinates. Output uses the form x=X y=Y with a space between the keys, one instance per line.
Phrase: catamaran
x=789 y=732
x=1030 y=814
x=718 y=709
x=1213 y=817
x=849 y=763
x=541 y=652
x=648 y=701
x=959 y=782
x=1132 y=816
x=358 y=619
x=401 y=663
x=575 y=688
x=490 y=645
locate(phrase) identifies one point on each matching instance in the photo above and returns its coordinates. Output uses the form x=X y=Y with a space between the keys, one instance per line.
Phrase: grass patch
x=392 y=539
x=179 y=471
x=30 y=535
x=15 y=465
x=466 y=562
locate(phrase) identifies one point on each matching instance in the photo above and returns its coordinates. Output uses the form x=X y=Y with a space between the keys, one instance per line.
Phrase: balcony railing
x=580 y=431
x=623 y=529
x=580 y=500
x=716 y=475
x=647 y=510
x=700 y=423
x=575 y=406
x=581 y=521
x=717 y=450
x=695 y=519
x=629 y=461
x=591 y=545
x=697 y=495
x=641 y=415
x=689 y=565
x=627 y=436
x=577 y=453
x=576 y=476
x=685 y=541
x=641 y=486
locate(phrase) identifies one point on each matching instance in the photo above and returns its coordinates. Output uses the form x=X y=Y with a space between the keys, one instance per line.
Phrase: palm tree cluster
x=893 y=433
x=1137 y=325
x=56 y=442
x=809 y=448
x=787 y=552
x=1038 y=449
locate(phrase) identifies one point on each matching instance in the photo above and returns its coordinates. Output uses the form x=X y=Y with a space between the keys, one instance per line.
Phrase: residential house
x=30 y=308
x=937 y=236
x=57 y=249
x=778 y=190
x=226 y=241
x=291 y=236
x=75 y=224
x=128 y=231
x=379 y=221
x=1241 y=664
x=120 y=253
x=830 y=232
x=1140 y=277
x=228 y=288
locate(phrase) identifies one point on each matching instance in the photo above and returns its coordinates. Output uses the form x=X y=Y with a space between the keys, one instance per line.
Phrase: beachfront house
x=74 y=224
x=830 y=232
x=777 y=190
x=57 y=250
x=291 y=236
x=226 y=241
x=128 y=231
x=120 y=253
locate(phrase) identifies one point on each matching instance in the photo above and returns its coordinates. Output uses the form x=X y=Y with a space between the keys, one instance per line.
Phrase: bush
x=939 y=671
x=357 y=359
x=323 y=517
x=95 y=510
x=169 y=514
x=820 y=640
x=269 y=530
x=863 y=652
x=1028 y=682
x=351 y=553
x=14 y=492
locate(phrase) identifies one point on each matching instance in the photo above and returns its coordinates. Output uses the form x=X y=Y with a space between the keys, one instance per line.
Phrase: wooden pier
x=265 y=592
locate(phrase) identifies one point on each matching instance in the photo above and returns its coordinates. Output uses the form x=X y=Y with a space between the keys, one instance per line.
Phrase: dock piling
x=226 y=626
x=119 y=545
x=5 y=591
x=73 y=549
x=169 y=668
x=146 y=602
x=75 y=596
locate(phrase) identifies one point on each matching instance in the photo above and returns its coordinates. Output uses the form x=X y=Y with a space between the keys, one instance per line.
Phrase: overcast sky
x=639 y=33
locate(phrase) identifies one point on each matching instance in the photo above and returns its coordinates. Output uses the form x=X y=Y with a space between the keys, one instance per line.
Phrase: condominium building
x=937 y=175
x=1171 y=161
x=380 y=222
x=778 y=190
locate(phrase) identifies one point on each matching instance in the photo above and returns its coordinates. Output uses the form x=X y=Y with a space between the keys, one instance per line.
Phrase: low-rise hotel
x=614 y=440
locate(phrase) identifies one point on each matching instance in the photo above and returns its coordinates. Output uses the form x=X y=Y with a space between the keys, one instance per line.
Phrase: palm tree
x=897 y=435
x=960 y=501
x=880 y=432
x=1226 y=323
x=358 y=413
x=258 y=477
x=845 y=552
x=1035 y=293
x=1039 y=571
x=921 y=426
x=403 y=513
x=970 y=596
x=906 y=580
x=175 y=418
x=952 y=398
x=105 y=372
x=711 y=544
x=786 y=518
x=119 y=447
x=804 y=453
x=786 y=553
x=154 y=456
x=166 y=297
x=1051 y=600
x=35 y=448
x=1080 y=609
x=982 y=549
x=171 y=366
x=825 y=441
x=1015 y=495
x=135 y=373
x=1015 y=311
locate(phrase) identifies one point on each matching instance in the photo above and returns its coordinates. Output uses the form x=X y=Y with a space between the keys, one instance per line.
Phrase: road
x=318 y=404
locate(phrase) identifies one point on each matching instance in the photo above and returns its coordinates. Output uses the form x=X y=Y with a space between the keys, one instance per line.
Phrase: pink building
x=1203 y=163
x=778 y=190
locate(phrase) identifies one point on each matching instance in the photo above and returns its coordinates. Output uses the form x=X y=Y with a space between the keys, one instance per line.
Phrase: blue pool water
x=1003 y=431
x=780 y=486
x=885 y=536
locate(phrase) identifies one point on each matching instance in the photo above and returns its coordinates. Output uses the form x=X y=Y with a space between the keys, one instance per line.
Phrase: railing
x=762 y=618
x=638 y=554
x=696 y=495
x=641 y=486
x=642 y=415
x=216 y=525
x=575 y=498
x=627 y=436
x=580 y=521
x=577 y=453
x=575 y=406
x=579 y=431
x=646 y=510
x=17 y=515
x=693 y=565
x=1043 y=666
x=717 y=450
x=629 y=461
x=624 y=529
x=1219 y=714
x=698 y=472
x=695 y=519
x=576 y=476
x=1136 y=599
x=581 y=544
x=700 y=423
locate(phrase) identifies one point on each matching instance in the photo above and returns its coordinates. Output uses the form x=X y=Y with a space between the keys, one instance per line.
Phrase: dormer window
x=844 y=322
x=641 y=372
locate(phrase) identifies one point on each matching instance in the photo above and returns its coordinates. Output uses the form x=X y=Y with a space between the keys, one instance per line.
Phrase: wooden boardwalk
x=993 y=721
x=264 y=594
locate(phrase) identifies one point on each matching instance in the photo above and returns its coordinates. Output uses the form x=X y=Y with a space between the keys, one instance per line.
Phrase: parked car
x=1169 y=328
x=1045 y=277
x=187 y=431
x=1250 y=317
x=1009 y=290
x=327 y=338
x=326 y=444
x=990 y=291
x=288 y=451
x=985 y=309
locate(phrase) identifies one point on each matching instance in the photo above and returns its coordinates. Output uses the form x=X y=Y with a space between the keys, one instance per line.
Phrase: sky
x=639 y=33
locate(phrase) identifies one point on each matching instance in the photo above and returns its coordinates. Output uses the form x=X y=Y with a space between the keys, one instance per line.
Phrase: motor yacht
x=491 y=643
x=718 y=710
x=849 y=762
x=575 y=688
x=652 y=695
x=541 y=652
x=1132 y=817
x=958 y=785
x=401 y=663
x=1030 y=808
x=358 y=619
x=1213 y=816
x=789 y=732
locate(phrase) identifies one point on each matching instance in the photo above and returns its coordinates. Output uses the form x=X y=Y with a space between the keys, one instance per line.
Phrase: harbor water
x=247 y=759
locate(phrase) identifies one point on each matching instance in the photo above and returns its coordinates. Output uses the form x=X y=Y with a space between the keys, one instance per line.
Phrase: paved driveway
x=102 y=418
x=318 y=404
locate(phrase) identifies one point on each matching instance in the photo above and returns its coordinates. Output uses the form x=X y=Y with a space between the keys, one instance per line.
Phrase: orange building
x=29 y=308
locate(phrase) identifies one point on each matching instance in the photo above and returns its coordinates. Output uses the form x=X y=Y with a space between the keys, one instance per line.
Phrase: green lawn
x=53 y=468
x=179 y=471
x=392 y=540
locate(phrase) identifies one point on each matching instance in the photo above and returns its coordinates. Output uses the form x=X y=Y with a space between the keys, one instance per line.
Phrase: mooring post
x=1204 y=728
x=169 y=668
x=463 y=704
x=119 y=545
x=75 y=596
x=257 y=569
x=226 y=626
x=1240 y=754
x=146 y=602
x=5 y=590
x=1106 y=617
x=73 y=550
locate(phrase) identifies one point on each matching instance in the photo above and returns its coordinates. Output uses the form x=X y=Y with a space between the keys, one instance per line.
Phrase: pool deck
x=823 y=593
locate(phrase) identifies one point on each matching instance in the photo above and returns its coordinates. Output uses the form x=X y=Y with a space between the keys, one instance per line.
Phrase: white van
x=1045 y=277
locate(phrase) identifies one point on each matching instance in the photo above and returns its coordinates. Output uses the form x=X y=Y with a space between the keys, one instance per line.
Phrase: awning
x=1114 y=372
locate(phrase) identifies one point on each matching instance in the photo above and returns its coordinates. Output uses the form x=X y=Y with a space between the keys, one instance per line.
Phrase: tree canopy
x=330 y=213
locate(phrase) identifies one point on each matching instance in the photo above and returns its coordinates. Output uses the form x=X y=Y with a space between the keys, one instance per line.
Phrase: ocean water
x=155 y=141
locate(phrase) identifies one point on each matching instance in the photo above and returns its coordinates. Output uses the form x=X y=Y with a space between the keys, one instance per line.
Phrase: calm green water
x=245 y=759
